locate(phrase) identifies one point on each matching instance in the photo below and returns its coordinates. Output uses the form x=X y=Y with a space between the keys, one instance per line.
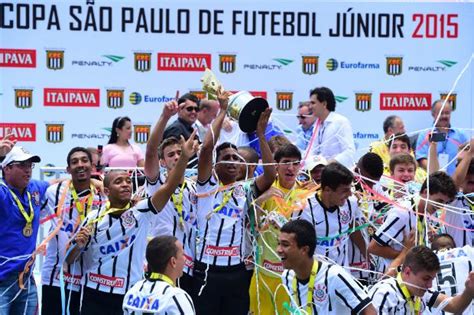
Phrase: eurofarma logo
x=405 y=101
x=183 y=62
x=333 y=64
x=19 y=131
x=71 y=97
x=17 y=58
x=136 y=98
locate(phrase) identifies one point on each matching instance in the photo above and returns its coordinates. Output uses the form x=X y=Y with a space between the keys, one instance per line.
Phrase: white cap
x=19 y=154
x=314 y=161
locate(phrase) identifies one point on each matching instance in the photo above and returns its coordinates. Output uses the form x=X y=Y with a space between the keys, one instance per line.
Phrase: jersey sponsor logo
x=320 y=292
x=67 y=227
x=18 y=58
x=363 y=101
x=310 y=64
x=143 y=303
x=227 y=63
x=334 y=241
x=54 y=133
x=115 y=98
x=394 y=65
x=55 y=59
x=229 y=211
x=183 y=62
x=231 y=251
x=142 y=133
x=20 y=132
x=128 y=219
x=72 y=97
x=188 y=261
x=23 y=98
x=108 y=281
x=276 y=267
x=69 y=278
x=116 y=247
x=405 y=101
x=284 y=100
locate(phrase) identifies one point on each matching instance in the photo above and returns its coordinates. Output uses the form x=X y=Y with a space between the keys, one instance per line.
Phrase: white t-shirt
x=116 y=250
x=167 y=222
x=220 y=234
x=335 y=291
x=157 y=297
x=463 y=218
x=58 y=245
x=332 y=227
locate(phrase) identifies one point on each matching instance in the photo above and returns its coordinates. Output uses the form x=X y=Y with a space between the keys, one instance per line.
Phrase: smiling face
x=404 y=172
x=18 y=174
x=189 y=112
x=288 y=250
x=79 y=167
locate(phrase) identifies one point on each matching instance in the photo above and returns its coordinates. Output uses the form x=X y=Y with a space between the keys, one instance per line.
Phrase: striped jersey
x=335 y=291
x=221 y=222
x=116 y=249
x=388 y=299
x=333 y=226
x=60 y=200
x=167 y=222
x=157 y=297
x=460 y=222
x=455 y=266
x=356 y=257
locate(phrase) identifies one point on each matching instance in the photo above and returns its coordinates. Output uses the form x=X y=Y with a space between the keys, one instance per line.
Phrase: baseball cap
x=19 y=154
x=314 y=161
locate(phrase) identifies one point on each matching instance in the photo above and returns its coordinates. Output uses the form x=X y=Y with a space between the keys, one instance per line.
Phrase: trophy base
x=250 y=114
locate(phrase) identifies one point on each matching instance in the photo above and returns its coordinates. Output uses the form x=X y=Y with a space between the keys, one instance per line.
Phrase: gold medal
x=28 y=230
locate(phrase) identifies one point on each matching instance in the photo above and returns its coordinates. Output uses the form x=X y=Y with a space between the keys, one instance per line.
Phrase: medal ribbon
x=414 y=303
x=225 y=199
x=178 y=203
x=160 y=276
x=28 y=218
x=79 y=204
x=309 y=296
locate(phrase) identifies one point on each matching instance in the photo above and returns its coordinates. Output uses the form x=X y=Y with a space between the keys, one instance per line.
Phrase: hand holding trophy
x=243 y=106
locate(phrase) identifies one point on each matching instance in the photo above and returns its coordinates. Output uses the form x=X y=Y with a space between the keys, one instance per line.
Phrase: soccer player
x=158 y=294
x=316 y=287
x=113 y=239
x=68 y=204
x=409 y=292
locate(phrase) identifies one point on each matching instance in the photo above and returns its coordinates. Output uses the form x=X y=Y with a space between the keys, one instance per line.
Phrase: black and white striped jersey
x=157 y=297
x=387 y=298
x=460 y=222
x=116 y=250
x=220 y=233
x=167 y=222
x=59 y=244
x=335 y=291
x=332 y=226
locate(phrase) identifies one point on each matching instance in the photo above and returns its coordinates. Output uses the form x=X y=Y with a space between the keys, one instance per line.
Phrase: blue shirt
x=14 y=243
x=304 y=136
x=450 y=146
x=271 y=131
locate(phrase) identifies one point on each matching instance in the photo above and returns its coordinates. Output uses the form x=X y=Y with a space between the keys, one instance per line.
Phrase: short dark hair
x=119 y=122
x=389 y=122
x=305 y=234
x=403 y=137
x=421 y=258
x=159 y=251
x=78 y=149
x=166 y=143
x=371 y=163
x=109 y=174
x=334 y=175
x=287 y=151
x=434 y=243
x=325 y=94
x=188 y=96
x=401 y=158
x=253 y=155
x=223 y=146
x=440 y=182
x=277 y=142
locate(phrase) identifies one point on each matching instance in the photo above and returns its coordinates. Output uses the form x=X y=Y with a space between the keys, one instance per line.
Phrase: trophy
x=243 y=106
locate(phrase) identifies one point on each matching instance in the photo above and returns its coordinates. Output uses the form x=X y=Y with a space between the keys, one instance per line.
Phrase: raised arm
x=461 y=170
x=265 y=180
x=162 y=195
x=205 y=156
x=433 y=158
x=152 y=166
x=459 y=303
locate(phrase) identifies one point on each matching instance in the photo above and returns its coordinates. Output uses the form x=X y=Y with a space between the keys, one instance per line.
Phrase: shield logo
x=142 y=61
x=23 y=98
x=394 y=65
x=310 y=64
x=54 y=133
x=199 y=94
x=227 y=63
x=284 y=100
x=142 y=133
x=55 y=59
x=363 y=101
x=452 y=99
x=115 y=98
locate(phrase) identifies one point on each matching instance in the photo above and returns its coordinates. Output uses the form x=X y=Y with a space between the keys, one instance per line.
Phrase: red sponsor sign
x=71 y=97
x=230 y=251
x=262 y=94
x=108 y=281
x=405 y=101
x=20 y=131
x=183 y=62
x=18 y=58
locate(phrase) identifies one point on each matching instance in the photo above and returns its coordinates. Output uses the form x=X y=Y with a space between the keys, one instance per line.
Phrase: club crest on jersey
x=239 y=192
x=36 y=198
x=128 y=219
x=345 y=217
x=320 y=292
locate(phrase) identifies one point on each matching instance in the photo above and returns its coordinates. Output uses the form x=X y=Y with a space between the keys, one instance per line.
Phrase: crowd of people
x=229 y=222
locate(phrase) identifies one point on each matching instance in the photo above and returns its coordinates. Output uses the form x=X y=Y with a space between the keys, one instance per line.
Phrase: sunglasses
x=303 y=116
x=192 y=108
